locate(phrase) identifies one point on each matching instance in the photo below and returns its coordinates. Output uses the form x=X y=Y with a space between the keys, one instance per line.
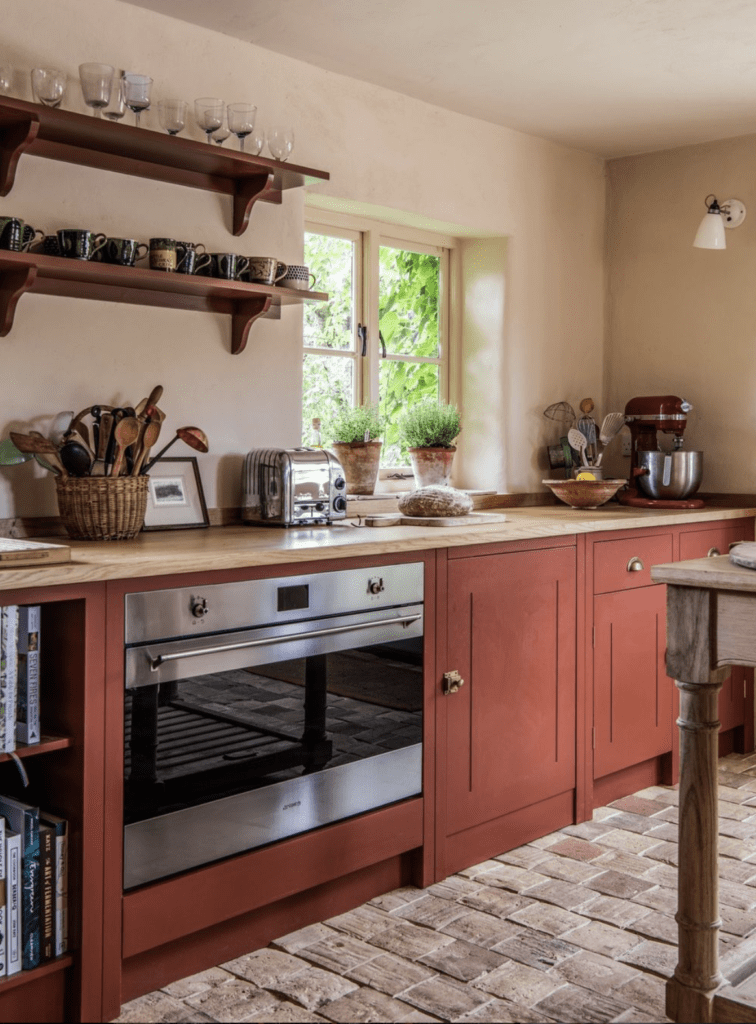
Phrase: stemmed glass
x=49 y=86
x=96 y=85
x=255 y=142
x=241 y=120
x=220 y=135
x=136 y=93
x=117 y=106
x=280 y=142
x=208 y=113
x=6 y=79
x=172 y=114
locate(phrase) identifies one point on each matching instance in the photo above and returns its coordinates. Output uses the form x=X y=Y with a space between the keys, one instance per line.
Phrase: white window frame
x=370 y=235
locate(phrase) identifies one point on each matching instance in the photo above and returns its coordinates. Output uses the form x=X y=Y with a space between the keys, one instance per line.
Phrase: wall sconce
x=711 y=232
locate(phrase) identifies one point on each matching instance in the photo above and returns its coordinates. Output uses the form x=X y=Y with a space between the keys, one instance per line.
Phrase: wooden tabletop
x=717 y=573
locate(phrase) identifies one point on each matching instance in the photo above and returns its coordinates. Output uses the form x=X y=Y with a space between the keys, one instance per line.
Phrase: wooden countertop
x=234 y=547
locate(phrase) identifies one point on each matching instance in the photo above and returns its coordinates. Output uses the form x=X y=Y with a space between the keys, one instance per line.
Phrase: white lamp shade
x=711 y=232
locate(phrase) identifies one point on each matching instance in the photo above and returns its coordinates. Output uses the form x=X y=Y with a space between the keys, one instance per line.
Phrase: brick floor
x=577 y=926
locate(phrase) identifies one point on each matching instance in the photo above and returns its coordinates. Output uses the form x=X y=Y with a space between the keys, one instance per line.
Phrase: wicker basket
x=102 y=507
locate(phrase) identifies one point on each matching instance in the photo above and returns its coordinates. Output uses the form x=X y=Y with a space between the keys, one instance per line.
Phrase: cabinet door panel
x=511 y=728
x=632 y=696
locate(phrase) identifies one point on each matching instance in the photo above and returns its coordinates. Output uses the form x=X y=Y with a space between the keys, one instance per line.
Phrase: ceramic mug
x=15 y=235
x=228 y=265
x=124 y=251
x=80 y=244
x=51 y=245
x=192 y=258
x=266 y=269
x=298 y=276
x=163 y=254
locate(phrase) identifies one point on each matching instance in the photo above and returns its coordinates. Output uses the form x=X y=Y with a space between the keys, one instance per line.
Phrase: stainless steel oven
x=263 y=709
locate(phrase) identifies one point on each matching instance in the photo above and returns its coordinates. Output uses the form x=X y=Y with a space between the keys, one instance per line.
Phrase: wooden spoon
x=150 y=434
x=126 y=432
x=37 y=444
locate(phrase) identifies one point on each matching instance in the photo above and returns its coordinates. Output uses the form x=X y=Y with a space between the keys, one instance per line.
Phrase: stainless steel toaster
x=292 y=486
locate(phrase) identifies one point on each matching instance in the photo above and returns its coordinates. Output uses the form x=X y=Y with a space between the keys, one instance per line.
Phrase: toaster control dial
x=320 y=507
x=339 y=503
x=199 y=607
x=339 y=482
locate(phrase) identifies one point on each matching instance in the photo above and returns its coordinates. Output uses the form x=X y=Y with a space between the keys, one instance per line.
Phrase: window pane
x=328 y=388
x=408 y=301
x=330 y=324
x=402 y=385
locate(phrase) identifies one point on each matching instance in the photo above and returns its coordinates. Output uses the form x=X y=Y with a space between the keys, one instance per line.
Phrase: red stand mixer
x=661 y=479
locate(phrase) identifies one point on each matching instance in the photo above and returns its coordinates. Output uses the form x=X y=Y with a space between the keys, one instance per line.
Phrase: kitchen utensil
x=280 y=142
x=241 y=120
x=37 y=444
x=611 y=426
x=587 y=426
x=149 y=435
x=192 y=436
x=208 y=113
x=172 y=115
x=10 y=455
x=584 y=494
x=471 y=519
x=60 y=427
x=103 y=438
x=560 y=412
x=670 y=475
x=96 y=85
x=136 y=94
x=579 y=442
x=76 y=458
x=49 y=86
x=126 y=433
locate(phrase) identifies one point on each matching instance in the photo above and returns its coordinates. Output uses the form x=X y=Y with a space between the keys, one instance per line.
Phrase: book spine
x=13 y=906
x=27 y=700
x=30 y=891
x=11 y=672
x=3 y=904
x=3 y=671
x=47 y=888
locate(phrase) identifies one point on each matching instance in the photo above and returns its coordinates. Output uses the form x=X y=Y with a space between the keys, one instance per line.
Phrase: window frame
x=370 y=235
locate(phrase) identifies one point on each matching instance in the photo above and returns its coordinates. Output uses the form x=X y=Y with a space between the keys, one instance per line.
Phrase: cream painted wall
x=683 y=320
x=386 y=153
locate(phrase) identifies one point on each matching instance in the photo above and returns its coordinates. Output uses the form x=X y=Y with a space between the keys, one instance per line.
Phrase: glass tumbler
x=49 y=86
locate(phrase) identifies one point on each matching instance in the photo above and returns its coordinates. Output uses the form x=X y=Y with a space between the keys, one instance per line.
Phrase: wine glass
x=96 y=85
x=220 y=135
x=208 y=113
x=6 y=79
x=172 y=114
x=49 y=86
x=255 y=142
x=241 y=120
x=280 y=142
x=117 y=106
x=136 y=93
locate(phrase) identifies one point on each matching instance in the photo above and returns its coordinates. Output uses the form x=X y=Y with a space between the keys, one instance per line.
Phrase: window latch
x=362 y=335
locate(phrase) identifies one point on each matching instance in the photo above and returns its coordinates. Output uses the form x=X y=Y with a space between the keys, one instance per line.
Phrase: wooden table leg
x=690 y=991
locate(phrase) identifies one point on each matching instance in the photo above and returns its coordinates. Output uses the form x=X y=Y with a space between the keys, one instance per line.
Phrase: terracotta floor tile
x=638 y=805
x=390 y=973
x=484 y=929
x=537 y=950
x=575 y=1005
x=577 y=849
x=445 y=998
x=463 y=960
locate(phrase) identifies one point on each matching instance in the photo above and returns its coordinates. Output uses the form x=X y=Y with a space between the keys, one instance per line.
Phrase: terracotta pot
x=432 y=466
x=359 y=461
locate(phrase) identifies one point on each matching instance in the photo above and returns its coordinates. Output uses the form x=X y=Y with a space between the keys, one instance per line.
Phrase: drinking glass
x=6 y=79
x=255 y=142
x=172 y=114
x=220 y=135
x=280 y=142
x=96 y=85
x=136 y=93
x=49 y=86
x=208 y=113
x=241 y=120
x=117 y=106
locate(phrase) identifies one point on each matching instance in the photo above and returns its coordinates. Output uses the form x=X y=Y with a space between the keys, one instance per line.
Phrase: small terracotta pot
x=359 y=460
x=432 y=466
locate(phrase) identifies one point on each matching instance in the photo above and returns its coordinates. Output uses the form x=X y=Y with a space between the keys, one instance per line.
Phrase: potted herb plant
x=429 y=429
x=354 y=434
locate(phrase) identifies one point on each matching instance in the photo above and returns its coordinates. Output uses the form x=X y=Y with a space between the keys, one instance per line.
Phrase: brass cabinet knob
x=452 y=682
x=635 y=565
x=712 y=552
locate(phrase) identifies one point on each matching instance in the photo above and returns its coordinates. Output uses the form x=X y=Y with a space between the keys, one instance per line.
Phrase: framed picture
x=175 y=500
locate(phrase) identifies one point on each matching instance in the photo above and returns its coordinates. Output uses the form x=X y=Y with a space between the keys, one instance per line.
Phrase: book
x=47 y=892
x=61 y=880
x=8 y=676
x=13 y=903
x=3 y=904
x=27 y=698
x=24 y=818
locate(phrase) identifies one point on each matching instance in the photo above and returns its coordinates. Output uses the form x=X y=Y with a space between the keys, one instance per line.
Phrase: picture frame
x=175 y=499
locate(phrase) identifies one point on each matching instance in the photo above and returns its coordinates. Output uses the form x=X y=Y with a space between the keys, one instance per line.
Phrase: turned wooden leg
x=690 y=992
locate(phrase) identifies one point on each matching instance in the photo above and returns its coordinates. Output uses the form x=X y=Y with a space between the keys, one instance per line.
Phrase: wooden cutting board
x=15 y=553
x=471 y=519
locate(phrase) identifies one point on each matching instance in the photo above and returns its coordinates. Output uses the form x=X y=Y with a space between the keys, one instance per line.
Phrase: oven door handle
x=161 y=659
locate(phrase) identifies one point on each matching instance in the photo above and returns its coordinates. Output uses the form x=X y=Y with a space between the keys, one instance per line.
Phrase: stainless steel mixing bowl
x=671 y=475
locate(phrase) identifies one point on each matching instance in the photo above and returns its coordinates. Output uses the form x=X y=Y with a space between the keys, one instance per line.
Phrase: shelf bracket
x=244 y=315
x=15 y=138
x=248 y=191
x=13 y=283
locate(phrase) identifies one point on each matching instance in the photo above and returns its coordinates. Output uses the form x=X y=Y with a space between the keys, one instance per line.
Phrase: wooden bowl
x=584 y=493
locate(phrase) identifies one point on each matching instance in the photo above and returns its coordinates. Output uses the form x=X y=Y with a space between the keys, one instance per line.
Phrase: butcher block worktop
x=234 y=547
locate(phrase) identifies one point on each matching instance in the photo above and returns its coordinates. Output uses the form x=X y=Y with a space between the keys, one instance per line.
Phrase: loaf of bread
x=435 y=502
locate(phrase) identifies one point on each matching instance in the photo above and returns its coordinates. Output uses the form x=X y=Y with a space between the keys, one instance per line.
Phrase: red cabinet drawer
x=613 y=559
x=714 y=539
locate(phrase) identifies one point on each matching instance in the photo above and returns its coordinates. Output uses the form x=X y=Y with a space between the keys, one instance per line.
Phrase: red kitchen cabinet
x=506 y=737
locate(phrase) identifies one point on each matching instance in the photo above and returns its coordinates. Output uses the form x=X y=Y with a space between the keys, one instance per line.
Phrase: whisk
x=587 y=427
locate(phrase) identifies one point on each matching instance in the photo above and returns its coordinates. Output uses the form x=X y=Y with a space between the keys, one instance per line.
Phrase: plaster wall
x=388 y=155
x=682 y=320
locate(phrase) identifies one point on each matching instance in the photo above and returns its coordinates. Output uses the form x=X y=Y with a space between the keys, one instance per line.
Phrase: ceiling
x=612 y=77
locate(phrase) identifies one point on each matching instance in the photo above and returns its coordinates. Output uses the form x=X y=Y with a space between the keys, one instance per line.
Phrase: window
x=382 y=338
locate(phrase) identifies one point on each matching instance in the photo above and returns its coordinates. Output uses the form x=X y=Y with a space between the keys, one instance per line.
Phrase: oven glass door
x=230 y=760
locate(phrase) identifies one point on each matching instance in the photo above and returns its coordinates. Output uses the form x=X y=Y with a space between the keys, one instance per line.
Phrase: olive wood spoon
x=37 y=444
x=150 y=435
x=126 y=433
x=192 y=436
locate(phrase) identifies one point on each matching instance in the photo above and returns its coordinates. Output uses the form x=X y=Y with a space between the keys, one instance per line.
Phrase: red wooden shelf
x=26 y=977
x=22 y=272
x=96 y=142
x=46 y=744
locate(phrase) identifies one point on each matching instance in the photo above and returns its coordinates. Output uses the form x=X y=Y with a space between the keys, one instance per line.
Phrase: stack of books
x=19 y=676
x=34 y=877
